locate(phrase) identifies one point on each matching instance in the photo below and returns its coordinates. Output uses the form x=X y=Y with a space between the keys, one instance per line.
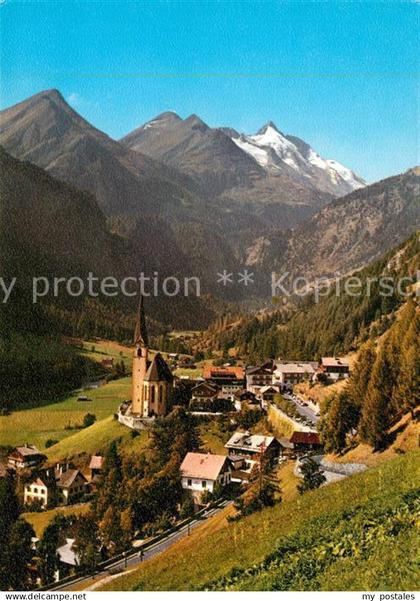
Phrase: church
x=152 y=380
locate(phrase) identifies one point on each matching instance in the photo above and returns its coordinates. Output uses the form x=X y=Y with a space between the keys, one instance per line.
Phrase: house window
x=189 y=482
x=204 y=484
x=35 y=489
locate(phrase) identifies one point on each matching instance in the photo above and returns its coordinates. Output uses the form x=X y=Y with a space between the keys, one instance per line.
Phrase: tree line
x=384 y=384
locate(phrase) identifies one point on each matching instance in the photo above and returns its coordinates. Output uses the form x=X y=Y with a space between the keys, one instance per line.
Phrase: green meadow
x=62 y=419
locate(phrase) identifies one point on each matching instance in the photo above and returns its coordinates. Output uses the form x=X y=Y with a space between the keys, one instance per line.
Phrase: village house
x=287 y=374
x=25 y=457
x=252 y=446
x=335 y=368
x=205 y=392
x=72 y=486
x=95 y=466
x=41 y=488
x=304 y=442
x=247 y=397
x=68 y=557
x=201 y=472
x=60 y=486
x=229 y=379
x=267 y=393
x=257 y=377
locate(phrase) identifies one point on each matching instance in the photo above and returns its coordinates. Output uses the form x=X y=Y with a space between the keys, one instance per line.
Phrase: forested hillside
x=384 y=384
x=338 y=323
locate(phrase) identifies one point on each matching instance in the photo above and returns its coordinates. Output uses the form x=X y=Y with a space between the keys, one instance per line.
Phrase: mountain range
x=270 y=160
x=182 y=198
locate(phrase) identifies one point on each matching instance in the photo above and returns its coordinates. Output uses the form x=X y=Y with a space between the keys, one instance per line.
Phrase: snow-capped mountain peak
x=276 y=152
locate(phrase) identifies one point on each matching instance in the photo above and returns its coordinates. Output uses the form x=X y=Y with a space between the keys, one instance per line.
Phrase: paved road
x=159 y=547
x=304 y=411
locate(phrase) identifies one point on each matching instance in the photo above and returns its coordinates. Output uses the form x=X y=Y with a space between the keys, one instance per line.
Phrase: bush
x=88 y=420
x=50 y=442
x=187 y=508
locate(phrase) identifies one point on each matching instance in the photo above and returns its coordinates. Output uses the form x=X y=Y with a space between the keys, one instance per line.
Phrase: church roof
x=141 y=336
x=158 y=370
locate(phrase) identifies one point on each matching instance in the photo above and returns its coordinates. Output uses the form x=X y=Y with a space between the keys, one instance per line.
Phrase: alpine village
x=217 y=441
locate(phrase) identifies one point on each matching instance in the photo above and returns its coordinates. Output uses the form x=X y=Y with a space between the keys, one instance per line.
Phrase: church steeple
x=141 y=337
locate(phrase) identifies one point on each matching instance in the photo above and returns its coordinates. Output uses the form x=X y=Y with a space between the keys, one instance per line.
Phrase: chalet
x=201 y=472
x=252 y=446
x=245 y=397
x=72 y=485
x=287 y=448
x=25 y=457
x=41 y=488
x=229 y=379
x=257 y=377
x=68 y=558
x=335 y=368
x=305 y=441
x=59 y=486
x=289 y=373
x=267 y=393
x=95 y=466
x=205 y=391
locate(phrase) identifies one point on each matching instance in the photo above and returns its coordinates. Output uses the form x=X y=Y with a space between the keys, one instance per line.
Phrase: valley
x=121 y=426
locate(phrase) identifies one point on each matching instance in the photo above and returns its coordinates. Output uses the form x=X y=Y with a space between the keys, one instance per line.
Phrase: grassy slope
x=37 y=425
x=212 y=552
x=40 y=520
x=406 y=432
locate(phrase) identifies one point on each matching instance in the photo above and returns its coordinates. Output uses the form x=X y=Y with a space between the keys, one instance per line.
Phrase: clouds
x=76 y=100
x=81 y=103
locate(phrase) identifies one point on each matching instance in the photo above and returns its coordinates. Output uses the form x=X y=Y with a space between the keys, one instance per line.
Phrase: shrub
x=88 y=420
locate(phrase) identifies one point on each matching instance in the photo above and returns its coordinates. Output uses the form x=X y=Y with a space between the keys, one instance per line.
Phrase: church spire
x=141 y=337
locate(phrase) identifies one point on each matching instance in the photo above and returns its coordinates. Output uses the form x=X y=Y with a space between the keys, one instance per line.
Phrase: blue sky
x=341 y=75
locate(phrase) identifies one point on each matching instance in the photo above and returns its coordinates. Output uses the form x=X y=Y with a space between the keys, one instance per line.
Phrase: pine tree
x=338 y=417
x=361 y=374
x=20 y=555
x=407 y=388
x=49 y=560
x=376 y=410
x=313 y=476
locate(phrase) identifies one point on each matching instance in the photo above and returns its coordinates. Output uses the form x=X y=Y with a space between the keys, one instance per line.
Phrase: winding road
x=136 y=557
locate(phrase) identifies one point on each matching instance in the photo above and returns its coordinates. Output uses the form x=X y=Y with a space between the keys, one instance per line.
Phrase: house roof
x=67 y=554
x=267 y=388
x=295 y=368
x=158 y=370
x=26 y=451
x=263 y=369
x=239 y=394
x=206 y=387
x=305 y=438
x=234 y=372
x=250 y=442
x=44 y=478
x=334 y=362
x=285 y=442
x=67 y=478
x=202 y=465
x=96 y=462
